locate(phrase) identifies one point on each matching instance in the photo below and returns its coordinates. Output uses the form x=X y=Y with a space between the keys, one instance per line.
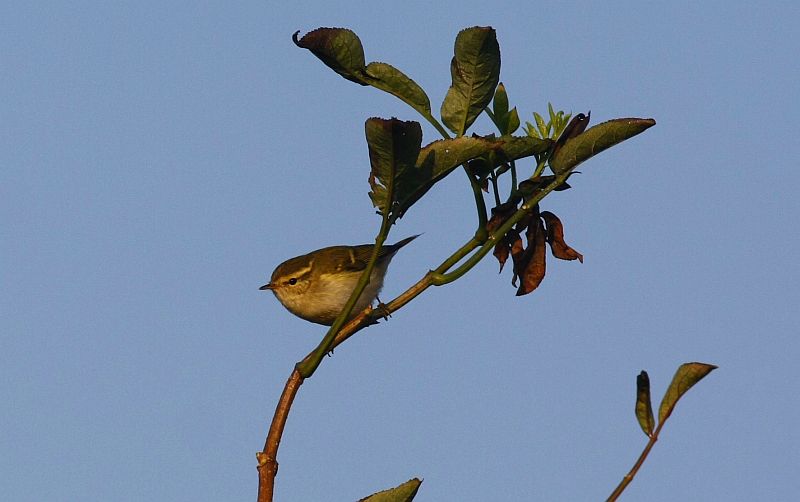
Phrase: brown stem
x=267 y=459
x=369 y=316
x=629 y=477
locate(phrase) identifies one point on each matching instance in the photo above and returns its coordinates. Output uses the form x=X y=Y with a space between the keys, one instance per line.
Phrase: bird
x=316 y=286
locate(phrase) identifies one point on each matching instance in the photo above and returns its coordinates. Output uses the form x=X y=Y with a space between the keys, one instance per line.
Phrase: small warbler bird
x=316 y=286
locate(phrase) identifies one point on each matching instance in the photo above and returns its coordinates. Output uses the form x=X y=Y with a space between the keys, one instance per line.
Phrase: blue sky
x=159 y=159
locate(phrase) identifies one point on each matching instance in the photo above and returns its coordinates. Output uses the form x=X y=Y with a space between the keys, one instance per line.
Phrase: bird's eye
x=293 y=281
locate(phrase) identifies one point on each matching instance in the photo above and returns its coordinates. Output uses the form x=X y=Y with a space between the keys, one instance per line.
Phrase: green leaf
x=644 y=408
x=559 y=124
x=507 y=122
x=531 y=130
x=436 y=161
x=403 y=493
x=687 y=375
x=402 y=172
x=513 y=121
x=389 y=79
x=339 y=48
x=393 y=150
x=519 y=147
x=500 y=103
x=475 y=72
x=595 y=140
x=494 y=119
x=505 y=150
x=541 y=125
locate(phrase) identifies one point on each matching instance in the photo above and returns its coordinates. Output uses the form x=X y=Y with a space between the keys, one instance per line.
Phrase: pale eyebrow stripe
x=303 y=271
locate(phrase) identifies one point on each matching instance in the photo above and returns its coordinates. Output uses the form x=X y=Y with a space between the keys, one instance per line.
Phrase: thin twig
x=309 y=365
x=629 y=477
x=267 y=459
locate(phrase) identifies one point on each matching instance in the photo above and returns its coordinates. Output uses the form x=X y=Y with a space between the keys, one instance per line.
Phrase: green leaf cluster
x=475 y=85
x=341 y=50
x=506 y=121
x=550 y=129
x=403 y=169
x=685 y=377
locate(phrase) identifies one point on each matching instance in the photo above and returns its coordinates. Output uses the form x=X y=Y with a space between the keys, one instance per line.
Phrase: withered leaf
x=555 y=236
x=576 y=126
x=501 y=252
x=529 y=187
x=479 y=167
x=517 y=256
x=504 y=247
x=500 y=214
x=532 y=264
x=523 y=223
x=503 y=168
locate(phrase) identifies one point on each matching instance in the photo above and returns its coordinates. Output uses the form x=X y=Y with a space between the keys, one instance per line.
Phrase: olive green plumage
x=317 y=285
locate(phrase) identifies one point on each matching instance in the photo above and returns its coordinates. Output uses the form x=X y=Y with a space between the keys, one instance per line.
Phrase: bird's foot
x=382 y=310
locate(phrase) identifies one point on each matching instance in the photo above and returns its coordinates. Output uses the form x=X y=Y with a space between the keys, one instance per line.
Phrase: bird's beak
x=266 y=287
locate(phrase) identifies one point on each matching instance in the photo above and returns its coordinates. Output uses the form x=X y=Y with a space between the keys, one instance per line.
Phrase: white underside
x=323 y=301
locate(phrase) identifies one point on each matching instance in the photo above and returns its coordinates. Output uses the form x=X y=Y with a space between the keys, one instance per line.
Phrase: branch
x=267 y=459
x=687 y=375
x=629 y=477
x=311 y=362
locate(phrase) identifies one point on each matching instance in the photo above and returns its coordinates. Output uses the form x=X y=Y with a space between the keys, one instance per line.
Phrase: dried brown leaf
x=523 y=223
x=555 y=236
x=575 y=127
x=517 y=255
x=529 y=187
x=501 y=251
x=533 y=262
x=500 y=214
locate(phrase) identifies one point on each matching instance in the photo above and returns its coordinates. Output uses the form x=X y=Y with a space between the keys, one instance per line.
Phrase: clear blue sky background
x=158 y=159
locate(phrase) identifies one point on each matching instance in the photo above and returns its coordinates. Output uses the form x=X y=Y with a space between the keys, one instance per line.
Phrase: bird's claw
x=382 y=310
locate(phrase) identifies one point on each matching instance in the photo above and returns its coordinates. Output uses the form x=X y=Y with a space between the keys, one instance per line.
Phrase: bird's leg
x=382 y=310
